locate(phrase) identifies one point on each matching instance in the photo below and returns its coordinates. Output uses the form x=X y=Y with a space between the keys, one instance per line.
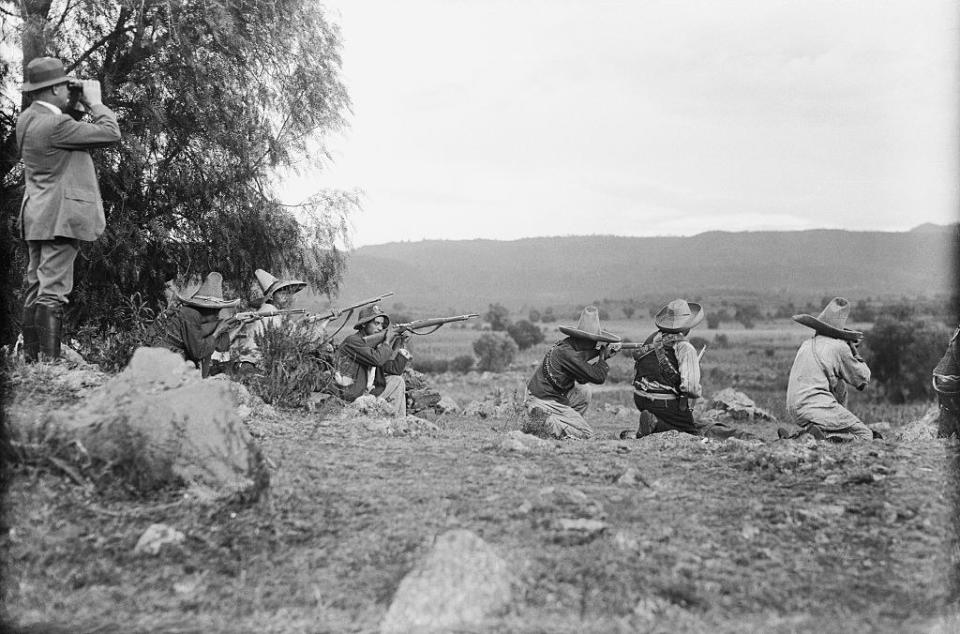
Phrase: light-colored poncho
x=817 y=391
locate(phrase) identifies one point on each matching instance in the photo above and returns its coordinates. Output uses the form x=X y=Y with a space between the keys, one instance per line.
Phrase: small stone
x=155 y=537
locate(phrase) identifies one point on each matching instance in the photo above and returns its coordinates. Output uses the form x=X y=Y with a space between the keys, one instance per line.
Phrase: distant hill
x=537 y=272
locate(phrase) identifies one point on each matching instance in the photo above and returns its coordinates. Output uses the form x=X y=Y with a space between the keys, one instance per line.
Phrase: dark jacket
x=189 y=332
x=656 y=366
x=563 y=366
x=356 y=355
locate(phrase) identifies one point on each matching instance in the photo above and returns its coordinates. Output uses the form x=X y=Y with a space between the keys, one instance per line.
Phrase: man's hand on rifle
x=855 y=349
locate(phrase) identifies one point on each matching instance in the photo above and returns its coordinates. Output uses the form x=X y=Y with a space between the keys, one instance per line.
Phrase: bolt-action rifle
x=636 y=346
x=235 y=321
x=414 y=327
x=333 y=313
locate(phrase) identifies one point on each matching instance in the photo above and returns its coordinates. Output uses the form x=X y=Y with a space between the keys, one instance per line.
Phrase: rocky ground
x=356 y=529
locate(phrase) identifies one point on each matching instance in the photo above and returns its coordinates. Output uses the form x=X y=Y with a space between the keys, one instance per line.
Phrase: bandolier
x=656 y=367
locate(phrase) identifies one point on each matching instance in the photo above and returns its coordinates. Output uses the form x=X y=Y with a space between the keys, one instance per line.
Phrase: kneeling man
x=554 y=403
x=825 y=364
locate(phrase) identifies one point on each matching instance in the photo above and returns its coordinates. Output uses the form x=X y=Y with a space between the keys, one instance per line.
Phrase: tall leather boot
x=48 y=327
x=31 y=338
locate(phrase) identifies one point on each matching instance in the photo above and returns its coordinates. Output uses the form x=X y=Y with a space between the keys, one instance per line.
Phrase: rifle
x=412 y=327
x=636 y=346
x=333 y=313
x=241 y=319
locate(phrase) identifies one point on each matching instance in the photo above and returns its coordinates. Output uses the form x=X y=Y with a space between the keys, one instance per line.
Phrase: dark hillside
x=571 y=270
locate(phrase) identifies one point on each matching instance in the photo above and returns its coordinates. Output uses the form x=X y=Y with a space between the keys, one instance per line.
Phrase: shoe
x=648 y=424
x=31 y=338
x=535 y=422
x=782 y=433
x=48 y=320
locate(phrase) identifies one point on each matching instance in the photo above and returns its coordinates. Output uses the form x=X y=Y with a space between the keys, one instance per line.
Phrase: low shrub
x=525 y=334
x=495 y=352
x=111 y=348
x=293 y=366
x=429 y=365
x=462 y=364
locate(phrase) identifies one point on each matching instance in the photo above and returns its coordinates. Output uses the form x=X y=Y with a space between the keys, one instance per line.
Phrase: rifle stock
x=334 y=312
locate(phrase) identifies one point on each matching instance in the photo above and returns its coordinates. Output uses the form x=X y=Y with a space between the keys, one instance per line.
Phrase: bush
x=292 y=367
x=462 y=364
x=902 y=355
x=713 y=321
x=722 y=340
x=111 y=348
x=525 y=334
x=548 y=317
x=494 y=351
x=429 y=365
x=534 y=315
x=498 y=317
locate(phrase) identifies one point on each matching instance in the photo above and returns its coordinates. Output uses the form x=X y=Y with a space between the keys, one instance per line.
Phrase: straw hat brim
x=604 y=336
x=696 y=316
x=208 y=302
x=279 y=286
x=826 y=329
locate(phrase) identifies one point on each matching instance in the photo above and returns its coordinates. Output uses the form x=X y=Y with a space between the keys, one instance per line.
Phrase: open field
x=712 y=536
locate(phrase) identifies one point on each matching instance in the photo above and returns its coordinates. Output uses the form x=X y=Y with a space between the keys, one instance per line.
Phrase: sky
x=510 y=119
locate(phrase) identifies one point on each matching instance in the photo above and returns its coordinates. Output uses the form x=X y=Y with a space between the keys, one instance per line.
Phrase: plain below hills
x=467 y=275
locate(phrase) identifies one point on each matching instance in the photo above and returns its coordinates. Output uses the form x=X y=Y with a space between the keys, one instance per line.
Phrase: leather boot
x=31 y=338
x=48 y=329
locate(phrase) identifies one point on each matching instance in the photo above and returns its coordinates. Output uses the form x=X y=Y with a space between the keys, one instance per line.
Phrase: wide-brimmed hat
x=678 y=315
x=270 y=285
x=369 y=313
x=589 y=327
x=210 y=294
x=832 y=321
x=42 y=72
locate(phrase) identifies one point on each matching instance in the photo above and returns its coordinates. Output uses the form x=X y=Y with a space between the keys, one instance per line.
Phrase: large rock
x=731 y=405
x=460 y=585
x=165 y=423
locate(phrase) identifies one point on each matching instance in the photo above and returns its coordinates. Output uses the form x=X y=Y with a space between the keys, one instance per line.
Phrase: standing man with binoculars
x=61 y=200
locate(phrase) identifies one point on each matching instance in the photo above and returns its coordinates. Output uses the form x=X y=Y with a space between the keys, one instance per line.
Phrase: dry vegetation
x=711 y=536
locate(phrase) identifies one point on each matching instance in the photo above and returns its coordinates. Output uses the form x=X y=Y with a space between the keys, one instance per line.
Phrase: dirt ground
x=783 y=536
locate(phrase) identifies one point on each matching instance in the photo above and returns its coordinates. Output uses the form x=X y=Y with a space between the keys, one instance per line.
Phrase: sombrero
x=270 y=285
x=369 y=313
x=832 y=321
x=589 y=327
x=210 y=294
x=679 y=315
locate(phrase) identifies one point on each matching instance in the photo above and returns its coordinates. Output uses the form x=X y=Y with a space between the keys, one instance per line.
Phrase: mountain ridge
x=541 y=271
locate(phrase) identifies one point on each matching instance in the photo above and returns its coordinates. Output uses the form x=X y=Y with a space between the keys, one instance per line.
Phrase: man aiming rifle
x=555 y=404
x=372 y=360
